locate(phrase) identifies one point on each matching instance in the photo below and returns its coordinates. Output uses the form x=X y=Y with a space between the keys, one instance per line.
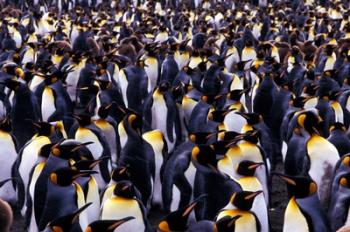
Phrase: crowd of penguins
x=115 y=109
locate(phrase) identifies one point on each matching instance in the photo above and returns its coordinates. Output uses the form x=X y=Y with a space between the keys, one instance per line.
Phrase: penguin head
x=45 y=150
x=70 y=149
x=244 y=200
x=226 y=224
x=13 y=69
x=103 y=111
x=219 y=115
x=125 y=189
x=43 y=128
x=103 y=84
x=338 y=126
x=133 y=122
x=204 y=158
x=66 y=176
x=83 y=119
x=236 y=94
x=177 y=220
x=13 y=84
x=106 y=225
x=66 y=222
x=120 y=174
x=88 y=164
x=299 y=186
x=247 y=167
x=203 y=137
x=298 y=102
x=252 y=118
x=5 y=124
x=309 y=121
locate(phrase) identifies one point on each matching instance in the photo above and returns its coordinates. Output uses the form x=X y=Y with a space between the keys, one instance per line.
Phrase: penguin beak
x=119 y=222
x=84 y=173
x=287 y=179
x=233 y=220
x=254 y=166
x=76 y=214
x=80 y=146
x=98 y=161
x=252 y=195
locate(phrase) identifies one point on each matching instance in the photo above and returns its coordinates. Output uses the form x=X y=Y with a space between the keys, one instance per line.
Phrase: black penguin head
x=120 y=174
x=250 y=136
x=244 y=200
x=134 y=121
x=236 y=95
x=66 y=222
x=83 y=119
x=43 y=128
x=88 y=164
x=202 y=137
x=298 y=102
x=12 y=84
x=5 y=124
x=309 y=121
x=13 y=70
x=66 y=176
x=247 y=168
x=164 y=86
x=204 y=158
x=45 y=150
x=103 y=111
x=71 y=149
x=299 y=186
x=218 y=115
x=177 y=220
x=106 y=225
x=252 y=118
x=125 y=189
x=338 y=126
x=226 y=224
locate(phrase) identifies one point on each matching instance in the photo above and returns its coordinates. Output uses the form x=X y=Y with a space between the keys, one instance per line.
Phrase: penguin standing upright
x=161 y=113
x=28 y=157
x=304 y=211
x=138 y=156
x=24 y=107
x=156 y=140
x=64 y=195
x=85 y=131
x=240 y=204
x=124 y=204
x=8 y=157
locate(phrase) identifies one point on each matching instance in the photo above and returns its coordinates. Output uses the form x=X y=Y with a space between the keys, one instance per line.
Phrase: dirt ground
x=276 y=212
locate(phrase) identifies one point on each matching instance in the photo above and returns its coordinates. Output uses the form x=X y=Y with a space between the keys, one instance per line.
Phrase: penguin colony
x=112 y=109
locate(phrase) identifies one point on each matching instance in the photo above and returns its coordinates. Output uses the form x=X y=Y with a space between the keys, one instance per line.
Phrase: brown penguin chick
x=309 y=50
x=283 y=49
x=127 y=49
x=6 y=216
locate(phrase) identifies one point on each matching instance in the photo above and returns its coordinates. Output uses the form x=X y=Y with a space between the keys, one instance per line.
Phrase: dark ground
x=278 y=204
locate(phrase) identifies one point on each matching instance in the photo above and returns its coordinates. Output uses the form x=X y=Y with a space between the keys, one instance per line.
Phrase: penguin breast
x=294 y=220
